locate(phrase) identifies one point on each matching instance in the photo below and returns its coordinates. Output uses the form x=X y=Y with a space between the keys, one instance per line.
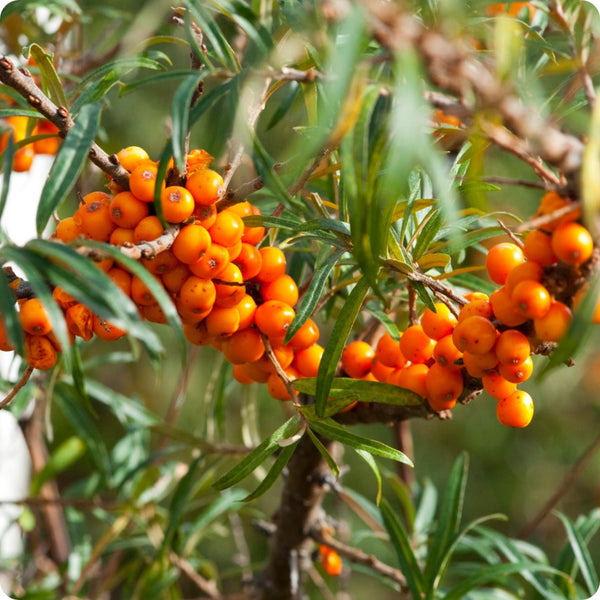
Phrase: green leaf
x=328 y=428
x=324 y=452
x=448 y=522
x=581 y=553
x=313 y=294
x=259 y=454
x=68 y=164
x=368 y=458
x=51 y=83
x=362 y=390
x=7 y=163
x=67 y=453
x=71 y=405
x=403 y=546
x=10 y=316
x=283 y=457
x=337 y=340
x=180 y=114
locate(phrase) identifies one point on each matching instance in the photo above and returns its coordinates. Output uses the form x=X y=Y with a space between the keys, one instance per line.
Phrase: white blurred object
x=3 y=596
x=15 y=475
x=596 y=596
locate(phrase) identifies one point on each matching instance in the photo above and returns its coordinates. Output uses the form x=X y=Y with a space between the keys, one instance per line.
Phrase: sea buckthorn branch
x=21 y=383
x=21 y=81
x=318 y=534
x=452 y=67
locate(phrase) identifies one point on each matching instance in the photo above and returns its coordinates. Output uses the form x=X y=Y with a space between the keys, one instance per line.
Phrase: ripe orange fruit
x=416 y=345
x=444 y=386
x=142 y=181
x=388 y=352
x=34 y=317
x=273 y=264
x=307 y=361
x=249 y=261
x=516 y=410
x=552 y=202
x=380 y=371
x=512 y=347
x=572 y=243
x=553 y=326
x=440 y=323
x=227 y=229
x=161 y=263
x=79 y=319
x=411 y=377
x=206 y=186
x=446 y=353
x=501 y=260
x=527 y=271
x=282 y=288
x=479 y=364
x=517 y=373
x=478 y=306
x=39 y=352
x=131 y=156
x=95 y=221
x=191 y=243
x=274 y=317
x=174 y=278
x=222 y=321
x=127 y=211
x=475 y=334
x=496 y=386
x=148 y=229
x=197 y=294
x=229 y=286
x=68 y=229
x=330 y=560
x=105 y=330
x=246 y=308
x=531 y=298
x=357 y=358
x=244 y=346
x=306 y=336
x=205 y=215
x=505 y=310
x=213 y=262
x=537 y=246
x=177 y=204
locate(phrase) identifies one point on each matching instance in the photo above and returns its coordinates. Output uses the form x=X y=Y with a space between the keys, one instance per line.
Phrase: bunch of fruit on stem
x=232 y=292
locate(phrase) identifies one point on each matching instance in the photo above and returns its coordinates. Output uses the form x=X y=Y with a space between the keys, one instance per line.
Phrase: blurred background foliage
x=137 y=464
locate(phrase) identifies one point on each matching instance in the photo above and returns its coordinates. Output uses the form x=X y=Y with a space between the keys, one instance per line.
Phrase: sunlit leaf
x=180 y=113
x=51 y=83
x=283 y=457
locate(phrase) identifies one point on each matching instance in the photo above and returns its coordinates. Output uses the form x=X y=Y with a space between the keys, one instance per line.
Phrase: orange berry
x=512 y=347
x=222 y=321
x=553 y=326
x=440 y=323
x=96 y=196
x=380 y=371
x=34 y=317
x=572 y=243
x=205 y=215
x=240 y=375
x=122 y=278
x=446 y=353
x=517 y=373
x=198 y=159
x=148 y=229
x=249 y=261
x=246 y=308
x=496 y=386
x=273 y=264
x=95 y=221
x=527 y=271
x=274 y=317
x=174 y=278
x=131 y=156
x=105 y=330
x=244 y=346
x=444 y=386
x=68 y=229
x=537 y=246
x=276 y=386
x=306 y=336
x=283 y=288
x=388 y=352
x=531 y=298
x=415 y=345
x=191 y=243
x=256 y=371
x=62 y=298
x=475 y=334
x=197 y=294
x=140 y=293
x=49 y=145
x=177 y=204
x=5 y=344
x=253 y=235
x=196 y=333
x=154 y=313
x=39 y=352
x=121 y=237
x=79 y=319
x=505 y=310
x=23 y=159
x=234 y=251
x=161 y=263
x=331 y=561
x=307 y=361
x=213 y=262
x=552 y=202
x=229 y=286
x=501 y=260
x=142 y=181
x=478 y=306
x=516 y=410
x=479 y=364
x=206 y=186
x=228 y=229
x=127 y=211
x=357 y=358
x=411 y=377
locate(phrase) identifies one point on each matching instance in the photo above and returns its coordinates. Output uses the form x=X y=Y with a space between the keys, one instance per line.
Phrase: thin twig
x=206 y=586
x=542 y=220
x=24 y=379
x=279 y=369
x=562 y=489
x=510 y=234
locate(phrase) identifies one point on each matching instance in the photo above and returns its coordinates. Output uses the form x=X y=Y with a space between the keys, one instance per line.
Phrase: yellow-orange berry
x=516 y=410
x=475 y=334
x=572 y=243
x=553 y=326
x=176 y=203
x=531 y=298
x=205 y=185
x=439 y=323
x=356 y=359
x=496 y=386
x=191 y=243
x=517 y=373
x=388 y=352
x=501 y=260
x=444 y=386
x=273 y=318
x=512 y=347
x=416 y=345
x=34 y=317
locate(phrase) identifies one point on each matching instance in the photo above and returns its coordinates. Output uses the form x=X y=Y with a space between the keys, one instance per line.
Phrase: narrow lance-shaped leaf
x=403 y=546
x=283 y=457
x=313 y=294
x=50 y=81
x=335 y=345
x=320 y=446
x=334 y=431
x=368 y=458
x=9 y=315
x=180 y=114
x=448 y=522
x=68 y=164
x=7 y=162
x=259 y=454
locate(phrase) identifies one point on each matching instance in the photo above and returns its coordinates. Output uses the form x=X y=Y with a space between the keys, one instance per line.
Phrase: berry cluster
x=24 y=155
